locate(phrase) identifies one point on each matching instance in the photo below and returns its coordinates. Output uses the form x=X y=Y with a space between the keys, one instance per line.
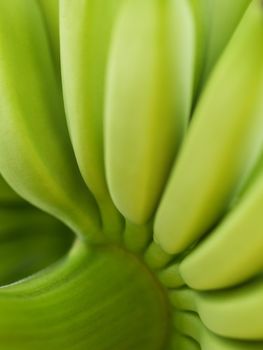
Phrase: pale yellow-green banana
x=232 y=252
x=39 y=162
x=215 y=23
x=189 y=324
x=252 y=178
x=232 y=313
x=148 y=97
x=85 y=45
x=223 y=142
x=223 y=19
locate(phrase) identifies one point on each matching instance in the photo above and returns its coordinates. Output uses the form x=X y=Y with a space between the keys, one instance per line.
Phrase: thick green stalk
x=102 y=299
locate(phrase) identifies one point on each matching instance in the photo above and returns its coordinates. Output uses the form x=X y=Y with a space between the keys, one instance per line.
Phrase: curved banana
x=148 y=96
x=223 y=19
x=234 y=313
x=232 y=253
x=86 y=34
x=189 y=324
x=209 y=172
x=256 y=172
x=39 y=162
x=215 y=23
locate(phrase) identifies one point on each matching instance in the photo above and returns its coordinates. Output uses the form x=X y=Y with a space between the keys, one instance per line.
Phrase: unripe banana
x=215 y=23
x=148 y=96
x=39 y=162
x=86 y=33
x=190 y=325
x=222 y=145
x=231 y=253
x=256 y=172
x=232 y=313
x=223 y=18
x=128 y=71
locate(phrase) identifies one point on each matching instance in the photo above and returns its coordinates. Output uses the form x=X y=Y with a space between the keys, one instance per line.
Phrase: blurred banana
x=39 y=163
x=222 y=145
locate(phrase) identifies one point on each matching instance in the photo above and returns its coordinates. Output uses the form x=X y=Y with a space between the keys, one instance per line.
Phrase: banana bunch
x=131 y=186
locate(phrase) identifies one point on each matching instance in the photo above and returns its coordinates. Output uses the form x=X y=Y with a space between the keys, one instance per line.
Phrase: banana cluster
x=138 y=126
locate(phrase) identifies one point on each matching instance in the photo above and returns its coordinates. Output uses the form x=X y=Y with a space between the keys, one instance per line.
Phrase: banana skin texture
x=131 y=175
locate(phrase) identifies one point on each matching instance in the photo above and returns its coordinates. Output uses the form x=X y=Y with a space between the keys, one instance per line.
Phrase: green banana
x=231 y=253
x=101 y=126
x=223 y=18
x=85 y=44
x=148 y=97
x=234 y=313
x=215 y=23
x=252 y=178
x=230 y=313
x=190 y=325
x=39 y=163
x=187 y=210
